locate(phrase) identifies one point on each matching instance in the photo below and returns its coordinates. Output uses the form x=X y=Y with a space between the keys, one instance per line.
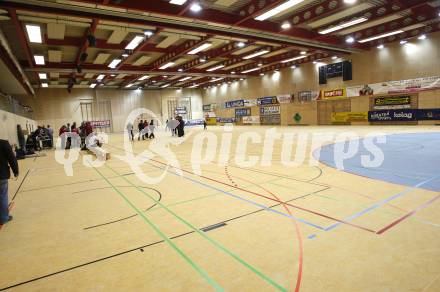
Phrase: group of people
x=83 y=131
x=41 y=137
x=146 y=130
x=176 y=126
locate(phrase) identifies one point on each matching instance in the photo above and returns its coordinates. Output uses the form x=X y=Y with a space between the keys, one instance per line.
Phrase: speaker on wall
x=347 y=73
x=323 y=75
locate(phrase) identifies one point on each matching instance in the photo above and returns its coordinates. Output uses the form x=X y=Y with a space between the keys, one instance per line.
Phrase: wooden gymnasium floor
x=83 y=233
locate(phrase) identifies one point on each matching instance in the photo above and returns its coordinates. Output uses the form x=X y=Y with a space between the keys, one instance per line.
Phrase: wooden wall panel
x=395 y=62
x=327 y=107
x=429 y=99
x=55 y=106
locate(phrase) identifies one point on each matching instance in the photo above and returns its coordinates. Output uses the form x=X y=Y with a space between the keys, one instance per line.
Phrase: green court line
x=212 y=241
x=196 y=267
x=157 y=207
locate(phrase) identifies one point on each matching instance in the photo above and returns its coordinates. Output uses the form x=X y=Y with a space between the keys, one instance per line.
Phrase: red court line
x=272 y=199
x=298 y=234
x=408 y=215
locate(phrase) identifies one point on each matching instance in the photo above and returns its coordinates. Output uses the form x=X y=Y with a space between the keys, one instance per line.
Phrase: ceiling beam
x=374 y=13
x=131 y=70
x=397 y=24
x=223 y=26
x=91 y=30
x=21 y=37
x=101 y=44
x=177 y=52
x=12 y=66
x=140 y=47
x=255 y=8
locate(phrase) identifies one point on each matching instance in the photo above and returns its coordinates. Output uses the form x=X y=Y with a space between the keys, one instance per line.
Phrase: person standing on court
x=204 y=125
x=140 y=128
x=7 y=161
x=151 y=127
x=130 y=131
x=50 y=133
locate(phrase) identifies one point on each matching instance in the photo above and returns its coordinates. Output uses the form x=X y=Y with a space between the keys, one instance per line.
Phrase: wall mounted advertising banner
x=234 y=103
x=392 y=102
x=286 y=98
x=208 y=107
x=305 y=96
x=270 y=110
x=181 y=110
x=100 y=124
x=225 y=120
x=250 y=102
x=211 y=121
x=333 y=94
x=267 y=100
x=241 y=112
x=251 y=120
x=346 y=117
x=195 y=122
x=428 y=114
x=401 y=86
x=392 y=115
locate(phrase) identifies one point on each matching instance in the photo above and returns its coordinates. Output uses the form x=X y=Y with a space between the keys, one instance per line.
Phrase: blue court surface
x=410 y=159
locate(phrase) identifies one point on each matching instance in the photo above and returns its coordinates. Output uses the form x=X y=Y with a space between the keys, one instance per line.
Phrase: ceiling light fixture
x=250 y=70
x=44 y=85
x=185 y=78
x=422 y=37
x=350 y=1
x=241 y=44
x=196 y=7
x=129 y=85
x=114 y=63
x=39 y=59
x=148 y=33
x=256 y=54
x=380 y=47
x=380 y=36
x=343 y=25
x=293 y=59
x=144 y=77
x=349 y=40
x=34 y=33
x=178 y=2
x=165 y=85
x=100 y=77
x=93 y=85
x=303 y=53
x=42 y=75
x=215 y=68
x=134 y=42
x=200 y=48
x=167 y=65
x=278 y=9
x=286 y=25
x=402 y=42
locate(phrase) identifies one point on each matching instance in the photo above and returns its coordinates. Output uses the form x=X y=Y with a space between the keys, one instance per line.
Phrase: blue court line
x=381 y=203
x=238 y=197
x=245 y=200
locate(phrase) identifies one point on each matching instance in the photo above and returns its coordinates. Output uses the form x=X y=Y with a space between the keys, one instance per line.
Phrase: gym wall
x=8 y=126
x=394 y=62
x=55 y=106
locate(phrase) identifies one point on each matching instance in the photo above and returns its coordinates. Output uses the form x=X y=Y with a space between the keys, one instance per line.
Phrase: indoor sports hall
x=220 y=145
